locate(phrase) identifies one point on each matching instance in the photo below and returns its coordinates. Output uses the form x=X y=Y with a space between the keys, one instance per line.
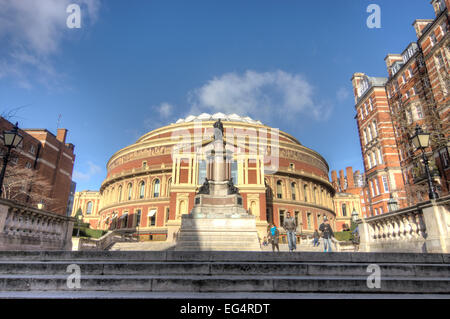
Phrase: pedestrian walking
x=273 y=237
x=316 y=237
x=355 y=238
x=327 y=234
x=290 y=226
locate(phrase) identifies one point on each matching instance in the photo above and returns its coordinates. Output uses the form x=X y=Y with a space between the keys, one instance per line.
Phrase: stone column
x=219 y=164
x=364 y=236
x=437 y=229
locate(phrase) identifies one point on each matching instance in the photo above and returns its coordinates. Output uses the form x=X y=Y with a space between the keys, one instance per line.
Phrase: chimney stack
x=61 y=135
x=342 y=180
x=350 y=180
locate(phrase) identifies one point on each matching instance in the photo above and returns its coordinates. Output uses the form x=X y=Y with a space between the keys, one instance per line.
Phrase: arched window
x=119 y=198
x=89 y=208
x=344 y=210
x=374 y=126
x=142 y=190
x=130 y=190
x=293 y=190
x=279 y=189
x=156 y=188
x=380 y=158
x=369 y=134
x=305 y=192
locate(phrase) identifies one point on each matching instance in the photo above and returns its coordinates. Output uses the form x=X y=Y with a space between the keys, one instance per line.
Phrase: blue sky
x=137 y=65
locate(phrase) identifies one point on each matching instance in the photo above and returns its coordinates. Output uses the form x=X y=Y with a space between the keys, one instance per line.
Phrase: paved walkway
x=158 y=246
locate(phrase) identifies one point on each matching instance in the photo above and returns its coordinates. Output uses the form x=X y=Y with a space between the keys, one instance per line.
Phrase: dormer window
x=364 y=86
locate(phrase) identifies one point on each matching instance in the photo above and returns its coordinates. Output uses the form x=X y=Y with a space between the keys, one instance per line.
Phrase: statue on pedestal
x=218 y=130
x=204 y=189
x=231 y=188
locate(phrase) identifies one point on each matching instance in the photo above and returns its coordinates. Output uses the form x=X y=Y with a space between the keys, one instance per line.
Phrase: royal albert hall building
x=152 y=182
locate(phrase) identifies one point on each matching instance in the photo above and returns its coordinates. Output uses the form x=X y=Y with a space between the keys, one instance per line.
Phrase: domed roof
x=214 y=117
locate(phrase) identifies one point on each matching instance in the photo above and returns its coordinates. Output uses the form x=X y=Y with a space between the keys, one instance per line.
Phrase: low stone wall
x=28 y=228
x=424 y=228
x=105 y=241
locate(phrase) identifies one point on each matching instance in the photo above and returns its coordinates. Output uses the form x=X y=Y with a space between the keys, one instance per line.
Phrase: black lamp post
x=11 y=139
x=421 y=140
x=392 y=204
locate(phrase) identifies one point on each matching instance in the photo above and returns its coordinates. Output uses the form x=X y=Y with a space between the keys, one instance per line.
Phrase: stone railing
x=28 y=228
x=104 y=242
x=421 y=228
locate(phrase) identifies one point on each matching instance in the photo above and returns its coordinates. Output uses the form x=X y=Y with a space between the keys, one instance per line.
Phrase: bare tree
x=26 y=186
x=12 y=113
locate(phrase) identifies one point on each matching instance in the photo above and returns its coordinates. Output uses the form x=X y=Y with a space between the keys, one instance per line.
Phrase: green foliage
x=87 y=232
x=343 y=235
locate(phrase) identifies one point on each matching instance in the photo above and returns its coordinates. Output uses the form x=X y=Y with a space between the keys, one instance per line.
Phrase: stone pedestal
x=218 y=232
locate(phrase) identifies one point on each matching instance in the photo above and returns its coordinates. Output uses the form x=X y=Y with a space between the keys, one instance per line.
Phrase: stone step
x=226 y=256
x=54 y=294
x=292 y=284
x=223 y=268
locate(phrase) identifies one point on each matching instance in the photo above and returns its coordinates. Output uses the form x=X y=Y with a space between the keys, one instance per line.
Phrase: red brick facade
x=388 y=109
x=51 y=158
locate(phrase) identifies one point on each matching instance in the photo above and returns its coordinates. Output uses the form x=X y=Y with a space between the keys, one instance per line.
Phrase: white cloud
x=91 y=171
x=342 y=94
x=261 y=95
x=165 y=110
x=31 y=31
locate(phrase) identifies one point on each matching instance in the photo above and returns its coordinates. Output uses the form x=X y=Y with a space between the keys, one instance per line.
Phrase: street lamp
x=392 y=204
x=79 y=217
x=421 y=140
x=40 y=205
x=354 y=215
x=11 y=139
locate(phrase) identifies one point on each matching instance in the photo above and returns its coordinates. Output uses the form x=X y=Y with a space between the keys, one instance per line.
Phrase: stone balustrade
x=27 y=228
x=421 y=228
x=105 y=241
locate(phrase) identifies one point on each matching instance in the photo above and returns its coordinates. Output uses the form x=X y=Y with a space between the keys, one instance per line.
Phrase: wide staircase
x=168 y=273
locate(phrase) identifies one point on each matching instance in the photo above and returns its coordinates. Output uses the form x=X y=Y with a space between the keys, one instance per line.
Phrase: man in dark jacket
x=290 y=226
x=327 y=234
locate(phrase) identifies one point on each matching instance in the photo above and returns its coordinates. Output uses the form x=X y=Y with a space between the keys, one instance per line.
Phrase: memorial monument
x=218 y=220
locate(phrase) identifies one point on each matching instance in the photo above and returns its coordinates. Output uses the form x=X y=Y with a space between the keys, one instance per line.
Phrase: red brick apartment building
x=39 y=169
x=416 y=92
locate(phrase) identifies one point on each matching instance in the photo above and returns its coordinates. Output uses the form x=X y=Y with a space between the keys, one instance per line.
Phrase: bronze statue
x=231 y=188
x=204 y=189
x=218 y=130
